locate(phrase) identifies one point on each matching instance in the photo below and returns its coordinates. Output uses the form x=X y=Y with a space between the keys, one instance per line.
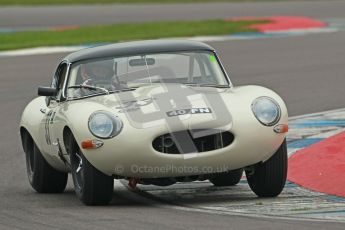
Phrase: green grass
x=62 y=2
x=300 y=209
x=121 y=32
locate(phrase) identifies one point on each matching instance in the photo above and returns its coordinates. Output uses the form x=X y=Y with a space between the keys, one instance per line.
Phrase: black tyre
x=42 y=177
x=226 y=178
x=268 y=178
x=91 y=186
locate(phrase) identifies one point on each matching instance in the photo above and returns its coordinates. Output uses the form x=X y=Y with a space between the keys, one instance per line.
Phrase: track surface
x=307 y=71
x=87 y=15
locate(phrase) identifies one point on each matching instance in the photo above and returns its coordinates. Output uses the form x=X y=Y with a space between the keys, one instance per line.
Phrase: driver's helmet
x=97 y=71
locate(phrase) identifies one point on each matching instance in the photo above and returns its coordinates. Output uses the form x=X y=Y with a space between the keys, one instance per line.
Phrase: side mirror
x=46 y=91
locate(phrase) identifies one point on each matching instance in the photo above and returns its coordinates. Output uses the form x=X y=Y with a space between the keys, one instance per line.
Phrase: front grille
x=191 y=141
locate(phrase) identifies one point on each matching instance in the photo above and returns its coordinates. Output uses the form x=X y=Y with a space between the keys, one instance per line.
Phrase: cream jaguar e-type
x=152 y=112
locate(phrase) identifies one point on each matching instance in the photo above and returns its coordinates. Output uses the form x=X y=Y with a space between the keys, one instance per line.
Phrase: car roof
x=137 y=48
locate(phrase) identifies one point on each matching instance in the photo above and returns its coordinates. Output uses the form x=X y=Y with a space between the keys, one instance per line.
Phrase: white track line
x=146 y=198
x=40 y=51
x=316 y=114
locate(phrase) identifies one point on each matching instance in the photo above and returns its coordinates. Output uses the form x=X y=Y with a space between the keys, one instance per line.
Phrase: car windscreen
x=113 y=74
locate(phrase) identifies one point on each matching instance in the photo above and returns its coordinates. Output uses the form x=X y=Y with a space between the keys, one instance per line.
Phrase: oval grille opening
x=192 y=141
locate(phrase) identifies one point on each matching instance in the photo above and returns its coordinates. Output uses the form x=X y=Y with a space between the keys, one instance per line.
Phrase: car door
x=52 y=117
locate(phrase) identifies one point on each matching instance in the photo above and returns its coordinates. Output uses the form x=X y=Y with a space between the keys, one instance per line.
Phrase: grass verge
x=122 y=32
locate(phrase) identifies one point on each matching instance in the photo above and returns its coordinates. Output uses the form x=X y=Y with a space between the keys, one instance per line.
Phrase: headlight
x=104 y=125
x=266 y=110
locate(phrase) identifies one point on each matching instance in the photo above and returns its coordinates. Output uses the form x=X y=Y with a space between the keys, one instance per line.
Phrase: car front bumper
x=131 y=153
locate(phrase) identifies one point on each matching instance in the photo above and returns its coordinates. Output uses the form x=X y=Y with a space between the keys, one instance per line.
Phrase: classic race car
x=152 y=112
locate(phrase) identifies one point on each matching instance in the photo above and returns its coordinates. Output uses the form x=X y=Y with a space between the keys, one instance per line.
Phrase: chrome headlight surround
x=104 y=125
x=266 y=110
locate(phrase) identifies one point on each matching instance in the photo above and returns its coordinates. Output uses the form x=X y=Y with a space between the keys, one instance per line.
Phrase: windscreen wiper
x=207 y=85
x=88 y=87
x=121 y=89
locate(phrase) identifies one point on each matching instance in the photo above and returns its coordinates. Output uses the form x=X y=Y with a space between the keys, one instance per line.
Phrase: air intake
x=192 y=141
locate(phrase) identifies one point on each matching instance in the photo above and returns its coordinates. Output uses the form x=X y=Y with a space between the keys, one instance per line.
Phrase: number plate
x=180 y=112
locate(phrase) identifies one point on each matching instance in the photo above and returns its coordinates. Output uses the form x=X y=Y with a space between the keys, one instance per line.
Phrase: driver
x=99 y=73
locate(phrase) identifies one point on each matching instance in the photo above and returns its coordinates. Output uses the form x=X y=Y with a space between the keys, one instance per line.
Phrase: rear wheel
x=42 y=177
x=91 y=186
x=268 y=178
x=227 y=178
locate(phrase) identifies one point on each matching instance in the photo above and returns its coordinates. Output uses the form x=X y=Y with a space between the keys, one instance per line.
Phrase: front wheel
x=91 y=186
x=268 y=178
x=229 y=178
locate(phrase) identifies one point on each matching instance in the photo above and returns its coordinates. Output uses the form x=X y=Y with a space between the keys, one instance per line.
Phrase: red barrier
x=321 y=167
x=283 y=23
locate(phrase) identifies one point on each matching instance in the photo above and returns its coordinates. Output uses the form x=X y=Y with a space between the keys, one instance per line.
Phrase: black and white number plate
x=180 y=112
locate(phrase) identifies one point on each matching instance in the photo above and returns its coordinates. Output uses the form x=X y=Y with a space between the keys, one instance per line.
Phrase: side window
x=59 y=79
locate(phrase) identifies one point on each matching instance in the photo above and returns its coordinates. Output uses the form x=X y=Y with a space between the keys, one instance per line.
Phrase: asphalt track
x=43 y=16
x=308 y=71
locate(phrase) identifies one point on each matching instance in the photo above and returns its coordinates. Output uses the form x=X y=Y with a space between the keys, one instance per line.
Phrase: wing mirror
x=46 y=91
